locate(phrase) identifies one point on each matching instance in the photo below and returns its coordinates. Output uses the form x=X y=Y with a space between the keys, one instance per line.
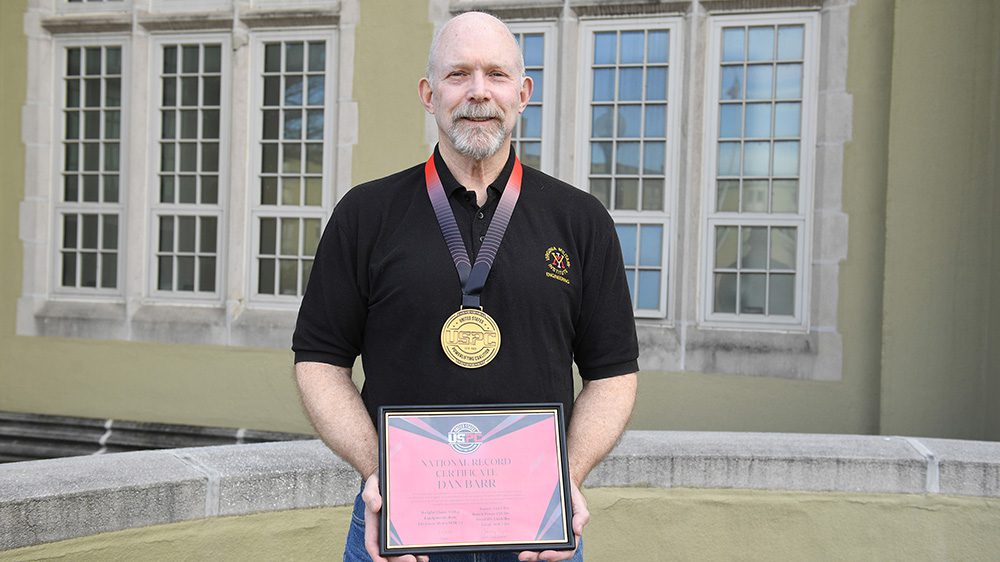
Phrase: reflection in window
x=188 y=210
x=627 y=168
x=757 y=217
x=290 y=177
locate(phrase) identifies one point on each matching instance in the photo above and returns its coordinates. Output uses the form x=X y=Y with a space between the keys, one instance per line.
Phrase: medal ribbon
x=472 y=276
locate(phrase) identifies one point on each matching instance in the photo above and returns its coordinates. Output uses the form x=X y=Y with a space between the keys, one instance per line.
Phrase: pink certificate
x=473 y=478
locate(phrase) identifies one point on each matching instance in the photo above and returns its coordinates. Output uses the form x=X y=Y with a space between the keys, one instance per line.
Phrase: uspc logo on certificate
x=473 y=478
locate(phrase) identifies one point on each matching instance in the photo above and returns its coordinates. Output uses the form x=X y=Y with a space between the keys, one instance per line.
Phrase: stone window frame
x=258 y=211
x=682 y=342
x=802 y=220
x=133 y=313
x=667 y=218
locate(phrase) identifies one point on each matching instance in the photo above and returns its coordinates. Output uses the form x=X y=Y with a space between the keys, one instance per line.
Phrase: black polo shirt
x=383 y=284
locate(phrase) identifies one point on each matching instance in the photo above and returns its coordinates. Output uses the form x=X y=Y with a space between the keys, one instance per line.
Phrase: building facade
x=806 y=193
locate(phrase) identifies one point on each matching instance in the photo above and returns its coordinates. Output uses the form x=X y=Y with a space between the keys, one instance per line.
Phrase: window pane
x=185 y=234
x=292 y=162
x=630 y=84
x=604 y=48
x=293 y=90
x=314 y=192
x=656 y=121
x=88 y=269
x=287 y=281
x=658 y=49
x=534 y=48
x=166 y=234
x=729 y=158
x=600 y=157
x=731 y=86
x=209 y=189
x=761 y=43
x=725 y=292
x=630 y=121
x=272 y=58
x=316 y=90
x=289 y=237
x=730 y=120
x=213 y=58
x=626 y=194
x=314 y=127
x=538 y=89
x=752 y=293
x=755 y=158
x=783 y=248
x=209 y=232
x=656 y=84
x=293 y=124
x=627 y=236
x=531 y=154
x=312 y=231
x=109 y=270
x=293 y=57
x=602 y=120
x=69 y=269
x=790 y=40
x=732 y=44
x=759 y=77
x=652 y=194
x=727 y=198
x=604 y=84
x=627 y=161
x=789 y=81
x=531 y=122
x=265 y=277
x=109 y=232
x=651 y=245
x=753 y=247
x=206 y=274
x=649 y=290
x=781 y=297
x=185 y=273
x=785 y=196
x=89 y=239
x=787 y=117
x=268 y=235
x=726 y=246
x=632 y=46
x=317 y=56
x=601 y=188
x=786 y=158
x=758 y=120
x=290 y=192
x=165 y=278
x=755 y=196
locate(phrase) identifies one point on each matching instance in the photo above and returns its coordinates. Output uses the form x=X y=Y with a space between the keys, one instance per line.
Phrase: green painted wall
x=627 y=524
x=940 y=220
x=993 y=367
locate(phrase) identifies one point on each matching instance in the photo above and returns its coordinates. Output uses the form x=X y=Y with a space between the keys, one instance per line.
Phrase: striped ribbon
x=472 y=276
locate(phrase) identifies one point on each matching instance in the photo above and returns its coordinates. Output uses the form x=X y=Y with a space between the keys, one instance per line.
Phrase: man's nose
x=478 y=87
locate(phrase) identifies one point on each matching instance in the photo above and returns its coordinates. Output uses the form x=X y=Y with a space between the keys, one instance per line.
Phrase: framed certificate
x=473 y=478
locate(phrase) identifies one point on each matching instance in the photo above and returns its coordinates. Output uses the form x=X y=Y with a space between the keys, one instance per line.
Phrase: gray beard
x=476 y=141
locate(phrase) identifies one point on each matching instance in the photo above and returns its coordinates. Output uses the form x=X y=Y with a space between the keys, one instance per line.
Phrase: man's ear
x=527 y=86
x=426 y=94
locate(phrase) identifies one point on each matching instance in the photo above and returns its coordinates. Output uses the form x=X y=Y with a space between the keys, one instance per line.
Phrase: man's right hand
x=373 y=505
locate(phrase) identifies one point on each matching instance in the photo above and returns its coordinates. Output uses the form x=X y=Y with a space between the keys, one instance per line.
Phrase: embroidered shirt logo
x=558 y=262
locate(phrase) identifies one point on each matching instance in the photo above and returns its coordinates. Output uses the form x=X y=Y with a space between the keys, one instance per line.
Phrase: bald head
x=475 y=27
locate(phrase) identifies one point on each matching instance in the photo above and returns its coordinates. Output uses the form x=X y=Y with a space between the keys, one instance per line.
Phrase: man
x=384 y=282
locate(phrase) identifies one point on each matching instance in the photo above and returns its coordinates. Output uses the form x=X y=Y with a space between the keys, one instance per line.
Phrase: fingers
x=581 y=515
x=546 y=555
x=371 y=494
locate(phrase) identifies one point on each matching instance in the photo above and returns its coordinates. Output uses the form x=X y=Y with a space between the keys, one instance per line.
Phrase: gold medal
x=470 y=338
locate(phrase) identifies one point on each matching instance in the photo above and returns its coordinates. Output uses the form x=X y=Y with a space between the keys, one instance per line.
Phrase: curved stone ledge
x=50 y=500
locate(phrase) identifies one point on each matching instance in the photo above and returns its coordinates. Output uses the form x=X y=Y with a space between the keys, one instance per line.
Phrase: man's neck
x=476 y=175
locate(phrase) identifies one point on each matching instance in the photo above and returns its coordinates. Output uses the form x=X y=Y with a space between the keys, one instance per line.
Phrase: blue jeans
x=355 y=551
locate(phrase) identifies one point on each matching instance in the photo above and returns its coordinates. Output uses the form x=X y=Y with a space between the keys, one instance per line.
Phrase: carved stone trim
x=261 y=19
x=516 y=13
x=717 y=6
x=97 y=23
x=187 y=22
x=593 y=10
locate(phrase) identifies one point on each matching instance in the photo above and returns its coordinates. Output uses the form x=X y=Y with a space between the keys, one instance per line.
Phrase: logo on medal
x=558 y=261
x=470 y=338
x=465 y=438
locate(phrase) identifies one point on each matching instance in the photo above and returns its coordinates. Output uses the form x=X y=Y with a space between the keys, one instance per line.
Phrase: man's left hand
x=581 y=516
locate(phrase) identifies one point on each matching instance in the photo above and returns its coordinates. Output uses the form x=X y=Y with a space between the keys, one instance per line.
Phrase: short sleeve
x=332 y=316
x=605 y=344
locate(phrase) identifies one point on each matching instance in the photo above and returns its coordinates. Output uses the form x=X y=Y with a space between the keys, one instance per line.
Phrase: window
x=188 y=209
x=292 y=176
x=632 y=132
x=761 y=96
x=89 y=212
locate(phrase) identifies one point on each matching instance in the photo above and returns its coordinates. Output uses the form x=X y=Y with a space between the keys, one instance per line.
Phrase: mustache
x=477 y=111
